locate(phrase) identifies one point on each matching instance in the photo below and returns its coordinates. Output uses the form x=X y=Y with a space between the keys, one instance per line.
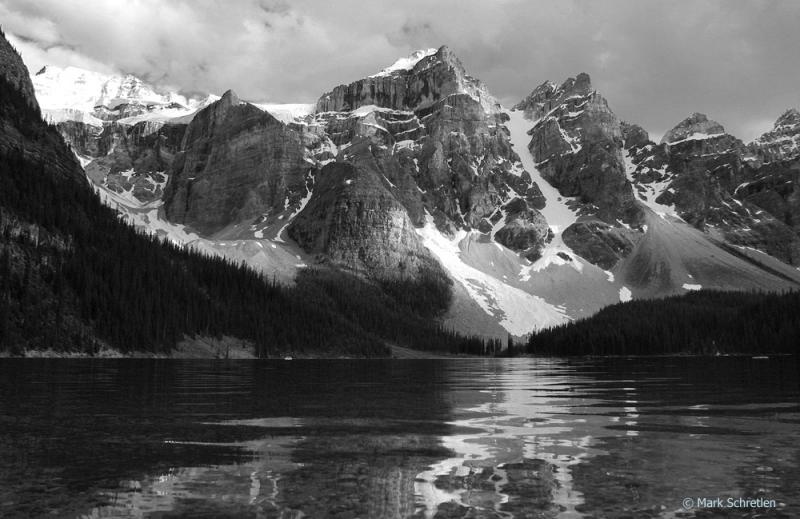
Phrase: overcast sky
x=655 y=61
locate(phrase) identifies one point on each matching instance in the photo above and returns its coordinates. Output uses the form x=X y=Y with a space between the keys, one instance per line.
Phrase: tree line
x=705 y=322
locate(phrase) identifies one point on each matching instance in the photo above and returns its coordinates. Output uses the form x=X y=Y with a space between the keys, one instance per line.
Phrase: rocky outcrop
x=780 y=143
x=525 y=230
x=633 y=135
x=432 y=78
x=577 y=143
x=696 y=127
x=133 y=159
x=383 y=126
x=467 y=167
x=13 y=69
x=355 y=222
x=599 y=242
x=237 y=163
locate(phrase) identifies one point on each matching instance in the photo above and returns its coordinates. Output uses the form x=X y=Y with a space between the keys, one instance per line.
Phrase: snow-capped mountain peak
x=73 y=93
x=406 y=63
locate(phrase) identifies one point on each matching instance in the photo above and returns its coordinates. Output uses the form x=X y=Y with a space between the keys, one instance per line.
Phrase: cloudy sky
x=655 y=61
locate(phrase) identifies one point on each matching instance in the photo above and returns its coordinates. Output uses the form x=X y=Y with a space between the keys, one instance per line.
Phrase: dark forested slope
x=703 y=322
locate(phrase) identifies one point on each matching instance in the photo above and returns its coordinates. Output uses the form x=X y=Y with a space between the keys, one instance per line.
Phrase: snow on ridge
x=287 y=112
x=696 y=136
x=406 y=63
x=73 y=93
x=518 y=311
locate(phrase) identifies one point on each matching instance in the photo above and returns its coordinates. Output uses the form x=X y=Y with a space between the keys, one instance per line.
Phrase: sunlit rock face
x=237 y=163
x=354 y=221
x=413 y=84
x=440 y=138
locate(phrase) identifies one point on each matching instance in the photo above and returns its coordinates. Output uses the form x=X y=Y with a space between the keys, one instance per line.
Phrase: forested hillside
x=703 y=322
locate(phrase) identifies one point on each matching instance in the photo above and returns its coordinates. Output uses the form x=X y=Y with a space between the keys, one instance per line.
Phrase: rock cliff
x=354 y=221
x=237 y=163
x=424 y=79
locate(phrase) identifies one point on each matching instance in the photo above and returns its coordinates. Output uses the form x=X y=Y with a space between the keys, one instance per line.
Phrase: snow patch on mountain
x=556 y=211
x=647 y=193
x=76 y=94
x=303 y=203
x=287 y=112
x=406 y=63
x=696 y=136
x=518 y=311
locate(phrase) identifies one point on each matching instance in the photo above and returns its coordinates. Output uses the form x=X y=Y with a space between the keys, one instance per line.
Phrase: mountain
x=699 y=171
x=75 y=94
x=76 y=279
x=537 y=215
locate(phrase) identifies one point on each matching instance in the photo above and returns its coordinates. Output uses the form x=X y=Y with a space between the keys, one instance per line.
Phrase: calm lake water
x=495 y=438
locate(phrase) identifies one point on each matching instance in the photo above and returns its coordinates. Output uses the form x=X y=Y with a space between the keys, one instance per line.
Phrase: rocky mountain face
x=540 y=213
x=237 y=163
x=412 y=84
x=577 y=143
x=781 y=143
x=436 y=139
x=703 y=173
x=354 y=220
x=125 y=133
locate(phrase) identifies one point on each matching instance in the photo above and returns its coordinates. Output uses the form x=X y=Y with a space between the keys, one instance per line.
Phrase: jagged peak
x=230 y=98
x=790 y=117
x=633 y=135
x=580 y=84
x=396 y=87
x=696 y=126
x=548 y=94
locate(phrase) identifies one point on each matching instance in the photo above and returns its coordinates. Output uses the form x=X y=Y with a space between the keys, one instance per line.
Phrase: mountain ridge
x=559 y=186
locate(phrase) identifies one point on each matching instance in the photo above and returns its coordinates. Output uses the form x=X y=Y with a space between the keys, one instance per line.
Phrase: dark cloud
x=655 y=61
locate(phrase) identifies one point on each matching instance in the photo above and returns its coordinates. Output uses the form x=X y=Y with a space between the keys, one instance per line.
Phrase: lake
x=466 y=438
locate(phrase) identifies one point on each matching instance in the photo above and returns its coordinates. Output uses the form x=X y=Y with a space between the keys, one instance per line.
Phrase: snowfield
x=518 y=311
